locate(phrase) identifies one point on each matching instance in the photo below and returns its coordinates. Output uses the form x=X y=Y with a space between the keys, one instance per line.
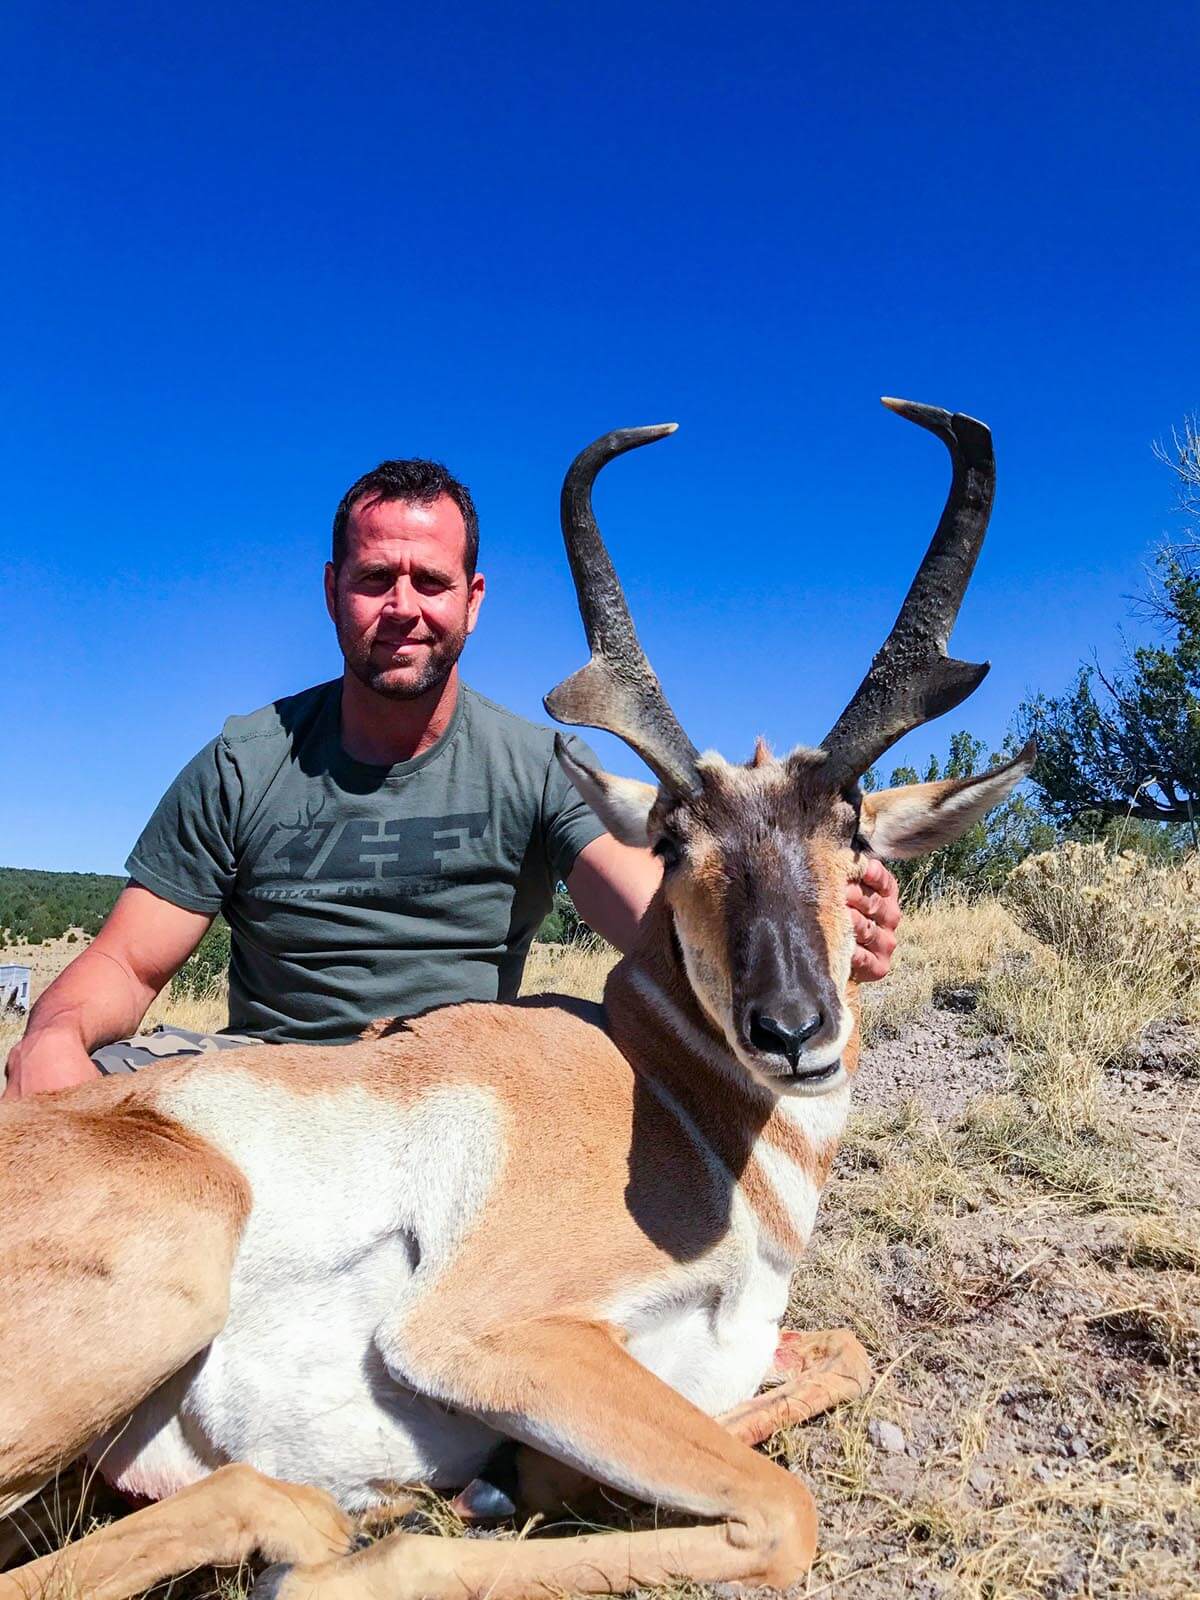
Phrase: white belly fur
x=344 y=1227
x=356 y=1205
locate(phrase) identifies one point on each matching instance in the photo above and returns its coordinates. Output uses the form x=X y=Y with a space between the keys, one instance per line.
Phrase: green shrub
x=564 y=924
x=208 y=966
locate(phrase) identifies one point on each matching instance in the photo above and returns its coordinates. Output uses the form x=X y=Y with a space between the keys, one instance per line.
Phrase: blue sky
x=253 y=249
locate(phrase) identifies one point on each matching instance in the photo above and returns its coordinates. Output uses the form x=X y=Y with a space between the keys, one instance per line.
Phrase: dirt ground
x=1031 y=1301
x=1033 y=1309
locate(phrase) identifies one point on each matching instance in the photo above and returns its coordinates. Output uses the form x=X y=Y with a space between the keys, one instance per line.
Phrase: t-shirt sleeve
x=186 y=851
x=569 y=823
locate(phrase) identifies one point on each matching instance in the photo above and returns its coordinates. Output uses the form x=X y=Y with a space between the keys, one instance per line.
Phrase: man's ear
x=475 y=593
x=622 y=804
x=899 y=823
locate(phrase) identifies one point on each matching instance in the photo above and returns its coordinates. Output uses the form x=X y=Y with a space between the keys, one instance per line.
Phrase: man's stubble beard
x=439 y=664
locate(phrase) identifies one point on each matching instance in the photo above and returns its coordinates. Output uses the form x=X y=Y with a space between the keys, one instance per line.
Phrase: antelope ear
x=622 y=804
x=899 y=823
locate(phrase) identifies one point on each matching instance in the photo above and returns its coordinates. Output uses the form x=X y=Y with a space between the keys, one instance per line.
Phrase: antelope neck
x=777 y=1151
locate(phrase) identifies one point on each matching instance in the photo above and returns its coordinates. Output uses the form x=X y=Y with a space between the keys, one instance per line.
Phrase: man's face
x=401 y=600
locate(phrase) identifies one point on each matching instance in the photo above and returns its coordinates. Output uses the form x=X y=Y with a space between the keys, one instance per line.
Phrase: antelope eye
x=668 y=851
x=858 y=844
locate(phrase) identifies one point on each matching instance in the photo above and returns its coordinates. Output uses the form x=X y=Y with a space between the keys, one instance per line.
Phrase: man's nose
x=402 y=599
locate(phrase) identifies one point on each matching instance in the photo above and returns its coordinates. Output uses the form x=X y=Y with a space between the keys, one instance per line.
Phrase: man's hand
x=45 y=1060
x=875 y=912
x=104 y=993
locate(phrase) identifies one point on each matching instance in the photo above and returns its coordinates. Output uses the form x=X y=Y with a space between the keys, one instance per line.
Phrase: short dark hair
x=420 y=483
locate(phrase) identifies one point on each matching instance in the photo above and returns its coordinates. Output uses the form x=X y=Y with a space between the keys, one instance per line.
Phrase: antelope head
x=756 y=856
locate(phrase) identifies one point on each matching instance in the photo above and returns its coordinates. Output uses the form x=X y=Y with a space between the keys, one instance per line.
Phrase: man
x=380 y=844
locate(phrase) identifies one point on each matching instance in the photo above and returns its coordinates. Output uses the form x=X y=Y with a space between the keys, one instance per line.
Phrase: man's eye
x=668 y=852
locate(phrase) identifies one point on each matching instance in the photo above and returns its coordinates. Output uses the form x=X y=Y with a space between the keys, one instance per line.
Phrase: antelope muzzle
x=787 y=1007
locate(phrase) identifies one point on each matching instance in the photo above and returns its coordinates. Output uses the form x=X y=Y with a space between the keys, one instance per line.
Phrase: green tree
x=43 y=905
x=1126 y=743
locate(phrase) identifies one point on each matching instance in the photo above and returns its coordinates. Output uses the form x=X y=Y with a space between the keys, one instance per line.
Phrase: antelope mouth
x=809 y=1080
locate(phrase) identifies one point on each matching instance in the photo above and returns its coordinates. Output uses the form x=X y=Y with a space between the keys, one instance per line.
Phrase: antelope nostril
x=811 y=1024
x=773 y=1037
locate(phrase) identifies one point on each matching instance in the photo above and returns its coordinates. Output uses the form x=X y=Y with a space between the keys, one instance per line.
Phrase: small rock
x=1040 y=1472
x=1063 y=1431
x=1022 y=1413
x=1079 y=1445
x=885 y=1436
x=956 y=999
x=981 y=1481
x=1168 y=1046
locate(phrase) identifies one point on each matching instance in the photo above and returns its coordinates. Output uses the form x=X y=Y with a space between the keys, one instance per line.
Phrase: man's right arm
x=105 y=992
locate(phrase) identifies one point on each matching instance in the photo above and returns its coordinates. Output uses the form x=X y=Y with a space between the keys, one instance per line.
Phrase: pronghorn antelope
x=266 y=1288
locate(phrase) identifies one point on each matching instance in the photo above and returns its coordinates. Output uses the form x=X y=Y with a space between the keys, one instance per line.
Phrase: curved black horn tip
x=628 y=438
x=647 y=435
x=931 y=417
x=951 y=428
x=608 y=446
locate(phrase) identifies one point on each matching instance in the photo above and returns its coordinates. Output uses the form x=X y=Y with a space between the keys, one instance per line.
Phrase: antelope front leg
x=812 y=1372
x=569 y=1388
x=817 y=1371
x=220 y=1521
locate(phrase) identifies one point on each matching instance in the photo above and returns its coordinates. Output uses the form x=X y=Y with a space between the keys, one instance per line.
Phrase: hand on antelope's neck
x=874 y=901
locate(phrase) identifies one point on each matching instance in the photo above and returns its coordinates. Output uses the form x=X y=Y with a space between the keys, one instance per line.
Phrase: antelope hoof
x=270 y=1582
x=481 y=1501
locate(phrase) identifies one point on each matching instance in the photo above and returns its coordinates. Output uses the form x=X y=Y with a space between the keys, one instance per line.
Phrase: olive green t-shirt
x=353 y=891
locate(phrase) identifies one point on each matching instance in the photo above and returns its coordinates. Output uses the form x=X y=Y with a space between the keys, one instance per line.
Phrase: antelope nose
x=777 y=1038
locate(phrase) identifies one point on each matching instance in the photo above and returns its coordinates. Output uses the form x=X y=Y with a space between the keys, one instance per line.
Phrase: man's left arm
x=612 y=884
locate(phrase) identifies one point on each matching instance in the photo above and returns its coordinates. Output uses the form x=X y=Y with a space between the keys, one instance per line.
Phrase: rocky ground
x=1033 y=1307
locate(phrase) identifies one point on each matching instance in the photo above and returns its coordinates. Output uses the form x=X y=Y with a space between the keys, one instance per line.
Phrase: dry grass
x=1082 y=1169
x=1118 y=947
x=1037 y=1352
x=579 y=968
x=951 y=944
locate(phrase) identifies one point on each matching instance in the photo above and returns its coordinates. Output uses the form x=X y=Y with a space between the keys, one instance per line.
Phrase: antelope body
x=280 y=1284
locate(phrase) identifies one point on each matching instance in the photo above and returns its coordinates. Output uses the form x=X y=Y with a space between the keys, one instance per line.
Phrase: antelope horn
x=912 y=678
x=617 y=690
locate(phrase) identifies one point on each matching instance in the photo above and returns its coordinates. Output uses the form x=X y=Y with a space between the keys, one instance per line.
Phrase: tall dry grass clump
x=204 y=1010
x=579 y=967
x=951 y=943
x=1118 y=946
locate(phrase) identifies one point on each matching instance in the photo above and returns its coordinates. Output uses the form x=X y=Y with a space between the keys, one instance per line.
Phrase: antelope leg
x=812 y=1372
x=218 y=1522
x=568 y=1387
x=818 y=1370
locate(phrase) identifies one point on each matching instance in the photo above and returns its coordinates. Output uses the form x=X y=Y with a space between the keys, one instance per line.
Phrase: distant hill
x=43 y=905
